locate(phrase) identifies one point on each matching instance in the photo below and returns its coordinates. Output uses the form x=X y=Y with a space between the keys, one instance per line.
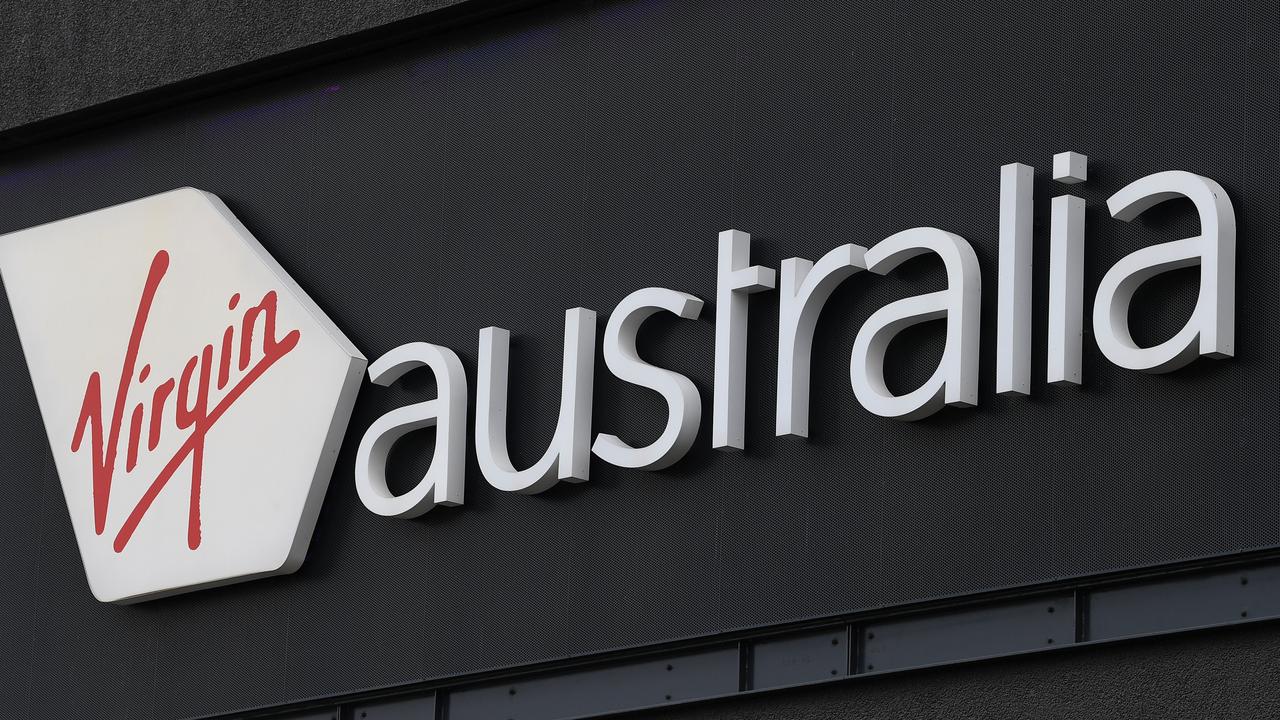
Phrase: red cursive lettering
x=191 y=411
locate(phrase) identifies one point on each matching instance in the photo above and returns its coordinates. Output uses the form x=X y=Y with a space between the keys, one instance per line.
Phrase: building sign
x=195 y=398
x=803 y=287
x=193 y=395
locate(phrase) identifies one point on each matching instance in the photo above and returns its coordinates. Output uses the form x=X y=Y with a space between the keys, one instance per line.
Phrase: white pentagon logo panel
x=194 y=396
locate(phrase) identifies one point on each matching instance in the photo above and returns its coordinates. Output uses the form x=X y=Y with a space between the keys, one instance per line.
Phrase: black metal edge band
x=1080 y=586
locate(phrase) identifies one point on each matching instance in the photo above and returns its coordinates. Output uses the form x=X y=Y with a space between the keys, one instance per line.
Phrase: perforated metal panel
x=416 y=708
x=567 y=156
x=800 y=658
x=964 y=635
x=629 y=686
x=1197 y=601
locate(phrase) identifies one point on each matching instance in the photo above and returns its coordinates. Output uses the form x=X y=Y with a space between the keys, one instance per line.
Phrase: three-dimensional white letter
x=443 y=483
x=1211 y=329
x=805 y=289
x=735 y=279
x=1013 y=285
x=955 y=381
x=569 y=456
x=684 y=408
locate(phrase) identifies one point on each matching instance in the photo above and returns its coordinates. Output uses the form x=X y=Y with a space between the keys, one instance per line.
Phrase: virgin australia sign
x=193 y=395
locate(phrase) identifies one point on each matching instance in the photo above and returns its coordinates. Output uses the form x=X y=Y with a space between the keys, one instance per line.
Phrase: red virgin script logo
x=191 y=411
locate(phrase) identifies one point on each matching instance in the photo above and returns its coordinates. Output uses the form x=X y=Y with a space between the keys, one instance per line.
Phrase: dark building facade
x=424 y=171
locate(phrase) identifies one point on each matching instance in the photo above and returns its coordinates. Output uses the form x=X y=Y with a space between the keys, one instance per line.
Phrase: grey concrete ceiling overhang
x=74 y=64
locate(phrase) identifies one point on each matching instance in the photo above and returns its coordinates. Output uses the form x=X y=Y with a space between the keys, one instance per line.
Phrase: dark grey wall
x=837 y=132
x=58 y=56
x=1215 y=674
